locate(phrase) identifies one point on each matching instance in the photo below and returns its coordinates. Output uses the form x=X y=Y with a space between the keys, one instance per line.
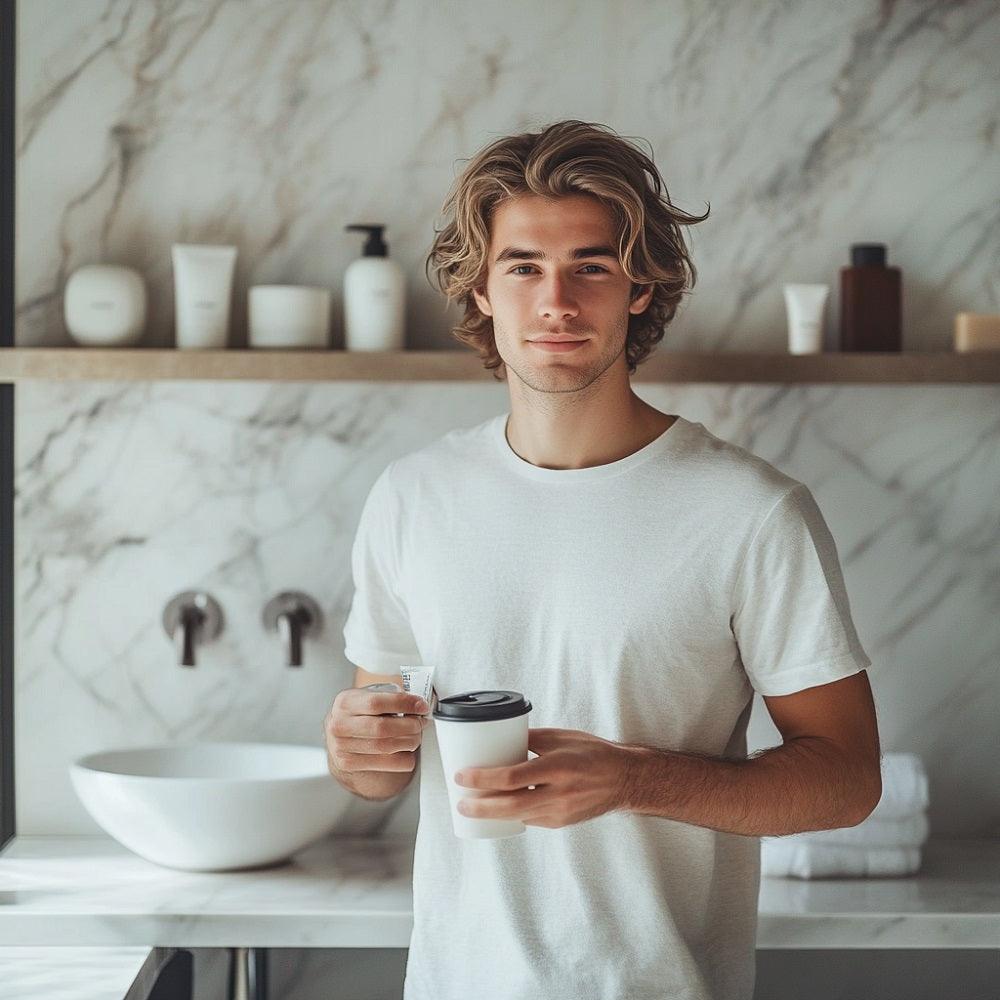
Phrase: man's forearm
x=804 y=784
x=825 y=774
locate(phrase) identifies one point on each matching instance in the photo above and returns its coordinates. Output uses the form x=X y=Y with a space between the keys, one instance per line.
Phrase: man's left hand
x=575 y=777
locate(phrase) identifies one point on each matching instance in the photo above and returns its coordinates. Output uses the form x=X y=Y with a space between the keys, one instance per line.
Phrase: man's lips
x=557 y=343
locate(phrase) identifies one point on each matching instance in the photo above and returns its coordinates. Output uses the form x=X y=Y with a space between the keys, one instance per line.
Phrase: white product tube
x=203 y=290
x=806 y=305
x=418 y=680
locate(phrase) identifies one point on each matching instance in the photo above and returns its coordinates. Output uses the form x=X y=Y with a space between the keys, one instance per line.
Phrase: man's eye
x=523 y=269
x=592 y=269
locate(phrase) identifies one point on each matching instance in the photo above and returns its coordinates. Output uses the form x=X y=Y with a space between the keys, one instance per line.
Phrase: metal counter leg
x=247 y=974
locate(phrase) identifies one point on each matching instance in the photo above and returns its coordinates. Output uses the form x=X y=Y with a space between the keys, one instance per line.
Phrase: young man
x=636 y=578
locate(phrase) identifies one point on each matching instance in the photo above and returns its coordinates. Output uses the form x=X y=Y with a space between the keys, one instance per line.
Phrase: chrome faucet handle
x=292 y=615
x=191 y=619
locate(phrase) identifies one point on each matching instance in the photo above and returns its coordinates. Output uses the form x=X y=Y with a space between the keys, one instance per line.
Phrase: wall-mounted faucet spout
x=292 y=615
x=190 y=619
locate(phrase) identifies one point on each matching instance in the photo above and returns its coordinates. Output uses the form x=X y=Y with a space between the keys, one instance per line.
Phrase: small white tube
x=418 y=680
x=806 y=306
x=203 y=290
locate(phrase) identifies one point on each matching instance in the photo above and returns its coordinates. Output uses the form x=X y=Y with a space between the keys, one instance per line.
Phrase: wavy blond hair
x=566 y=158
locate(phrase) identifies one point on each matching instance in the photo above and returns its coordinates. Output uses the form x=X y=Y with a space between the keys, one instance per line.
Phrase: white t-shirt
x=643 y=601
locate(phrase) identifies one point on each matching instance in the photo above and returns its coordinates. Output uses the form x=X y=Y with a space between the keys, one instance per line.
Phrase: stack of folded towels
x=887 y=843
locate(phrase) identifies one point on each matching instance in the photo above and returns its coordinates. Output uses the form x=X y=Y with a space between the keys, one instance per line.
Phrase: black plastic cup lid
x=482 y=706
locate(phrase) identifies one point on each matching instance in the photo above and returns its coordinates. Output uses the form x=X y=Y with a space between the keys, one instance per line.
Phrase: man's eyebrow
x=580 y=253
x=599 y=251
x=516 y=253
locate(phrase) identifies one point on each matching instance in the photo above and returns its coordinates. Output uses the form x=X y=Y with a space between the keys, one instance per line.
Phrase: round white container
x=104 y=305
x=289 y=316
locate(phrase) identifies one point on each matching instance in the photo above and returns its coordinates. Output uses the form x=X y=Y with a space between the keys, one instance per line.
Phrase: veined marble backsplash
x=270 y=124
x=130 y=493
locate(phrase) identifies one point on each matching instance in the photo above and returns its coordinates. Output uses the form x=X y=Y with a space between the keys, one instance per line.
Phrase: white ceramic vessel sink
x=212 y=806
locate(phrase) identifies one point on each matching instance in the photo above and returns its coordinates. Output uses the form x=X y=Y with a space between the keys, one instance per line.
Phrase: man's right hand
x=373 y=739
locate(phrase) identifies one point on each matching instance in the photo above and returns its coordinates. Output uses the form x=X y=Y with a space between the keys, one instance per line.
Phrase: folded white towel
x=789 y=856
x=904 y=786
x=910 y=831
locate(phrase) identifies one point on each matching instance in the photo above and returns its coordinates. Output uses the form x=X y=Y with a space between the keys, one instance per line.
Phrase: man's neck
x=577 y=430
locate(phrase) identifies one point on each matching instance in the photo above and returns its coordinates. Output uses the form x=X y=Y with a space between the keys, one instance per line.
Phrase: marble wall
x=272 y=123
x=131 y=493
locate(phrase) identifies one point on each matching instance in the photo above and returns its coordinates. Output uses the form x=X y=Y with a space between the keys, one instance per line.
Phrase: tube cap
x=868 y=255
x=482 y=706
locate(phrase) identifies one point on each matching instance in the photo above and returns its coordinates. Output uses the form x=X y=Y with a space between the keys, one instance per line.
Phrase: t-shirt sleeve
x=791 y=618
x=377 y=634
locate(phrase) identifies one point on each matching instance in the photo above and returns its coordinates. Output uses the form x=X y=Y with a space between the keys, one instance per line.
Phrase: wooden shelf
x=143 y=364
x=19 y=364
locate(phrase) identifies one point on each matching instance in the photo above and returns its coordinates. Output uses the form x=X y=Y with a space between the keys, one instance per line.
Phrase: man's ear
x=641 y=298
x=482 y=302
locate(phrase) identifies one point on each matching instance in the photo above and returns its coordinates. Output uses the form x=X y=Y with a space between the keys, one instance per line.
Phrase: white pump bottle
x=374 y=297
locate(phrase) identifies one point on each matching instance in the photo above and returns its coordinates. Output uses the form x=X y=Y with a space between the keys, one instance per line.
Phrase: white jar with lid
x=104 y=305
x=288 y=316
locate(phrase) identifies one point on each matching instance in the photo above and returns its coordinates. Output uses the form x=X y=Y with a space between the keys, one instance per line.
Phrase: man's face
x=557 y=293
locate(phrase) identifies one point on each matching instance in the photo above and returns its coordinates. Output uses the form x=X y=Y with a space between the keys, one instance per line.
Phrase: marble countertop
x=75 y=973
x=952 y=902
x=339 y=893
x=355 y=893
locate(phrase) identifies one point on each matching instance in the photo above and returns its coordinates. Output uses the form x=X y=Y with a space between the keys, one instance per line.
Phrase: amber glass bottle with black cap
x=871 y=311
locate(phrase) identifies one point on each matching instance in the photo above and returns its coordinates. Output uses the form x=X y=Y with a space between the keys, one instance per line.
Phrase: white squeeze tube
x=418 y=680
x=203 y=289
x=805 y=305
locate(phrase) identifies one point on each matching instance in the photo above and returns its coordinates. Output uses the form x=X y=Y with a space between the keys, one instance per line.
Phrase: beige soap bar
x=977 y=332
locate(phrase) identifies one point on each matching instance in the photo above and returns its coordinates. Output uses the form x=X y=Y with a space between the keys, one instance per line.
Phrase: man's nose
x=558 y=300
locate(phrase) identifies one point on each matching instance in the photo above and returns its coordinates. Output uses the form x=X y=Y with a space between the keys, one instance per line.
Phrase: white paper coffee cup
x=481 y=729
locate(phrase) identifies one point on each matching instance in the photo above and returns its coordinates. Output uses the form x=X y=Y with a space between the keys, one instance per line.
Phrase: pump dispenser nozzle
x=375 y=246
